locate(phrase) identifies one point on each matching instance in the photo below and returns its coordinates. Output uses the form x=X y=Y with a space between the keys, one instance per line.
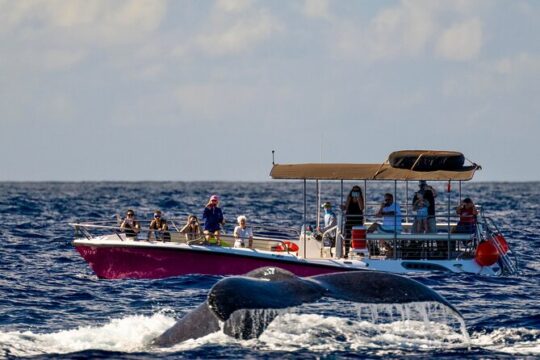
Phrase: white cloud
x=240 y=35
x=462 y=41
x=233 y=6
x=100 y=20
x=316 y=9
x=404 y=29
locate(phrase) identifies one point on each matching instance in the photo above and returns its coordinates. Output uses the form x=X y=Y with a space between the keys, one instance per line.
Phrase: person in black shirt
x=354 y=214
x=429 y=194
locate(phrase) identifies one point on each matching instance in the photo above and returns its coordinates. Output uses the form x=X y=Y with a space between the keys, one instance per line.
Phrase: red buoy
x=486 y=254
x=502 y=243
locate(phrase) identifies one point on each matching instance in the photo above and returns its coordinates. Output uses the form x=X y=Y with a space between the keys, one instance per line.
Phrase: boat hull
x=145 y=262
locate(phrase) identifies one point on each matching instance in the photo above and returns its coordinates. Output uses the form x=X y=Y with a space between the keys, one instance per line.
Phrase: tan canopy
x=365 y=172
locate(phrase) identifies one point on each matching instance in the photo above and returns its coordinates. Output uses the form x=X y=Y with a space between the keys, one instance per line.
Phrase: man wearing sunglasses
x=159 y=228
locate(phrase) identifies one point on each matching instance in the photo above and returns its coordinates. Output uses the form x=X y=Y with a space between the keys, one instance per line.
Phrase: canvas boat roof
x=320 y=171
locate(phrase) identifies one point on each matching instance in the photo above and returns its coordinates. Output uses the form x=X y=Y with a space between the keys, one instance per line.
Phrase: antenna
x=273 y=162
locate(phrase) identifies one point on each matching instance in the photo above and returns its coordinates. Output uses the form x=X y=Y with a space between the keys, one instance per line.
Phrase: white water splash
x=406 y=329
x=129 y=334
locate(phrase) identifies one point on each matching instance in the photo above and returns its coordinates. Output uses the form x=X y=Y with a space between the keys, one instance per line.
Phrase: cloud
x=316 y=9
x=238 y=34
x=404 y=29
x=461 y=42
x=105 y=21
x=233 y=6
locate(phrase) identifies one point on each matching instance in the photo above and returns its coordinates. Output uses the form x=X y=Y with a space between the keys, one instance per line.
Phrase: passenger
x=213 y=219
x=354 y=211
x=429 y=194
x=159 y=228
x=330 y=221
x=243 y=234
x=467 y=217
x=421 y=206
x=130 y=226
x=391 y=214
x=192 y=229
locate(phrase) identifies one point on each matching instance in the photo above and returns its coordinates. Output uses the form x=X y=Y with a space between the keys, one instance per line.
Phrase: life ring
x=427 y=160
x=286 y=245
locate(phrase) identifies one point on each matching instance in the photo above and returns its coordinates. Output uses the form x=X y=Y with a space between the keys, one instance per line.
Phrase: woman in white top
x=242 y=234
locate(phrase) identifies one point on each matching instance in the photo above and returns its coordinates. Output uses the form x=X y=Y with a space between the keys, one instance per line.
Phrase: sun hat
x=326 y=205
x=214 y=197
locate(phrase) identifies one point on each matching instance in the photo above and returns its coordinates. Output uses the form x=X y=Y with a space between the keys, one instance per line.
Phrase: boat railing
x=446 y=241
x=265 y=237
x=507 y=257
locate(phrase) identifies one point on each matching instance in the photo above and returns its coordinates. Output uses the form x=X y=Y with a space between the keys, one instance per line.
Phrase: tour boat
x=483 y=250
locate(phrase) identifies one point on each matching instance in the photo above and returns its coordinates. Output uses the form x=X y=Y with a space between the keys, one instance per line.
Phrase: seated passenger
x=467 y=217
x=421 y=206
x=391 y=214
x=330 y=221
x=243 y=235
x=213 y=219
x=159 y=228
x=130 y=226
x=192 y=229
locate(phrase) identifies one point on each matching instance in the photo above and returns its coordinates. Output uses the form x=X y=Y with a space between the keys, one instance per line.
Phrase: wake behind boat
x=480 y=249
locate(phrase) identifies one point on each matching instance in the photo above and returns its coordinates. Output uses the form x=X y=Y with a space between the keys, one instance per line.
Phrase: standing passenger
x=213 y=219
x=354 y=211
x=429 y=194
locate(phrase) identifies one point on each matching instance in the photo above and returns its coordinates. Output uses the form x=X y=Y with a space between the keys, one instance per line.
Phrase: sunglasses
x=130 y=214
x=157 y=215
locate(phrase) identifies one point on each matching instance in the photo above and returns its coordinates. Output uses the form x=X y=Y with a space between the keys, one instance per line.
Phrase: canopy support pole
x=318 y=189
x=448 y=212
x=395 y=219
x=406 y=200
x=305 y=217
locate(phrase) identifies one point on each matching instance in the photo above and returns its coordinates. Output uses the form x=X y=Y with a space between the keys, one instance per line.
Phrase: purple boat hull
x=117 y=262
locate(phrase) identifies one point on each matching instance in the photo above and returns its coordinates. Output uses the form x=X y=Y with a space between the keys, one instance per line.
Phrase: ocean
x=52 y=306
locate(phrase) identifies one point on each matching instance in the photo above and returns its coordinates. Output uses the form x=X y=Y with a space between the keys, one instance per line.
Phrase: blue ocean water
x=53 y=306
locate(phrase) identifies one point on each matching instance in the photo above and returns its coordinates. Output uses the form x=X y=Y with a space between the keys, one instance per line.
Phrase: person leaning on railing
x=130 y=226
x=159 y=228
x=467 y=217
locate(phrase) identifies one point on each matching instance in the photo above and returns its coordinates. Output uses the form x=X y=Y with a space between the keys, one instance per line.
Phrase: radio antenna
x=273 y=162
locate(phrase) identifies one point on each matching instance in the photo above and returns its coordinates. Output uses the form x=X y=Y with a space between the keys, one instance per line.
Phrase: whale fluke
x=269 y=289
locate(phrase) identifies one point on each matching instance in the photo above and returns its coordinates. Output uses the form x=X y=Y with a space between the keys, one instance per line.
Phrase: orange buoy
x=292 y=247
x=486 y=254
x=502 y=242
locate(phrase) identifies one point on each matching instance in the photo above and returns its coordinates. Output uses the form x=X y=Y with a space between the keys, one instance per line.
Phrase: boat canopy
x=427 y=166
x=363 y=172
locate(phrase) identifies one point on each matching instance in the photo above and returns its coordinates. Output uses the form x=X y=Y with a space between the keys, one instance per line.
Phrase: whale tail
x=248 y=304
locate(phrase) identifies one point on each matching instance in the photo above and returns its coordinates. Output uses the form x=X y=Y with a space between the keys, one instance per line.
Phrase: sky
x=205 y=90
